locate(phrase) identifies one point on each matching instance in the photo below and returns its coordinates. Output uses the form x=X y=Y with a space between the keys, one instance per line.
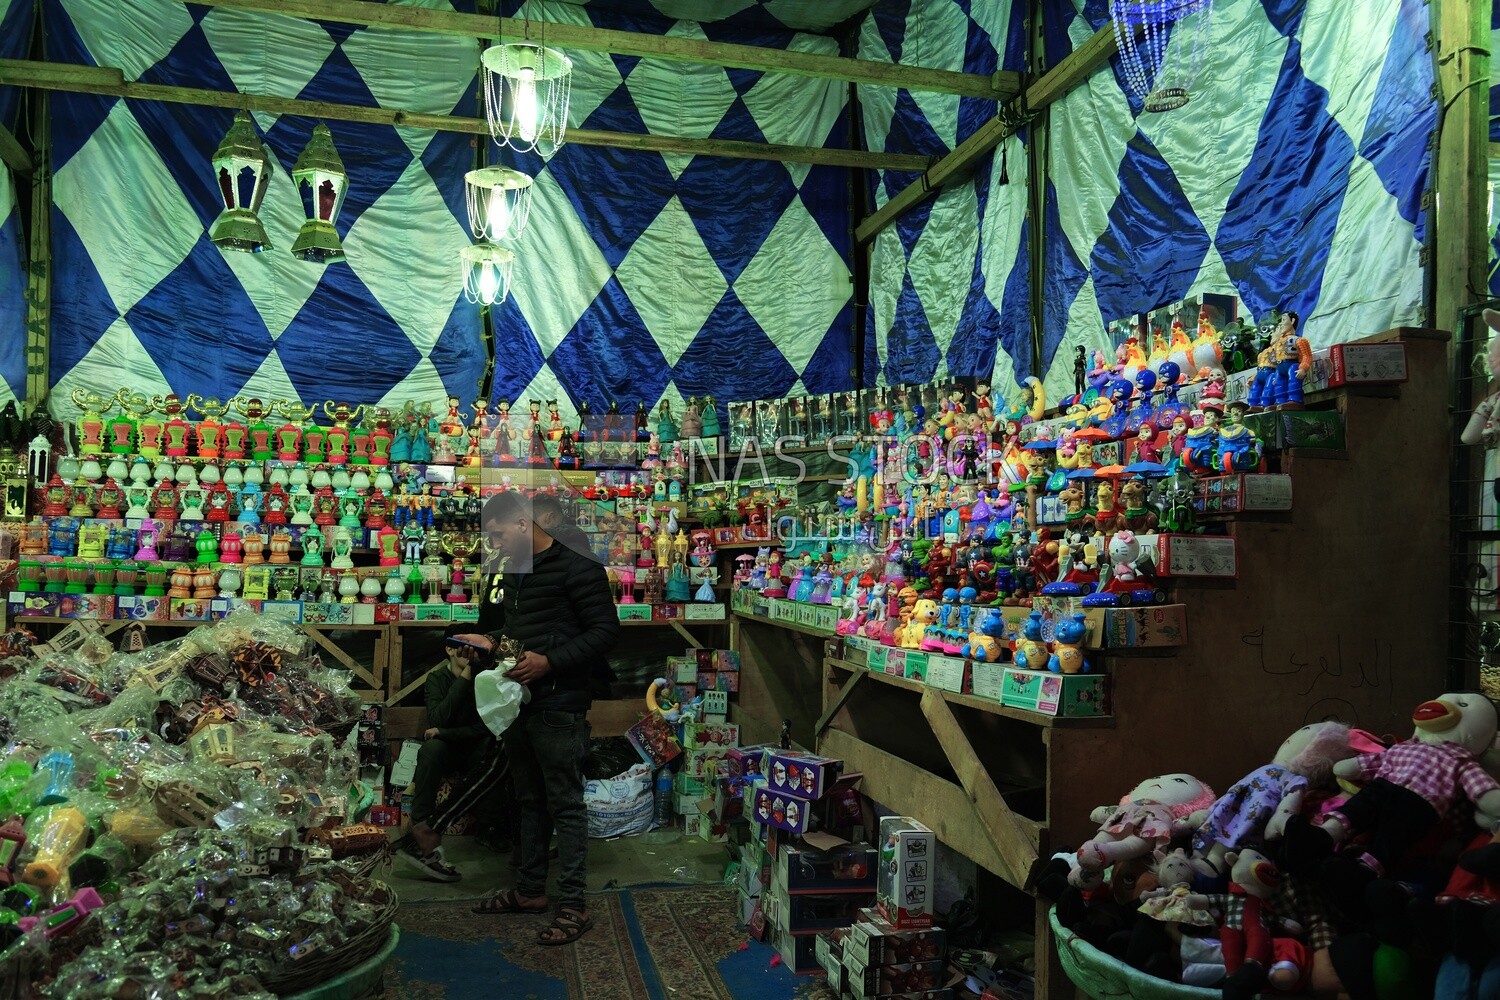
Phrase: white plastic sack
x=499 y=699
x=620 y=806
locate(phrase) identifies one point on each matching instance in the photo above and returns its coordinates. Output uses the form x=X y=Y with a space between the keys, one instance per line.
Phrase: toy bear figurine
x=1409 y=790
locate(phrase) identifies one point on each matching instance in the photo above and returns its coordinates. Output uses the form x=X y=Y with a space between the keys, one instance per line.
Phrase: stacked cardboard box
x=874 y=959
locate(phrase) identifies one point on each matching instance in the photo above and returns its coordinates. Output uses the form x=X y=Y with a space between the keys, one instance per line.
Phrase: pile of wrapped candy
x=176 y=815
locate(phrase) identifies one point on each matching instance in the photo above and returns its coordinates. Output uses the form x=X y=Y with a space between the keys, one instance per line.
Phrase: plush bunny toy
x=1409 y=790
x=1484 y=426
x=1145 y=821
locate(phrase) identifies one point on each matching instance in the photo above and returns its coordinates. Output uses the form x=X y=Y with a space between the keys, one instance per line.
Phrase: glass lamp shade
x=241 y=171
x=499 y=202
x=322 y=183
x=487 y=271
x=526 y=92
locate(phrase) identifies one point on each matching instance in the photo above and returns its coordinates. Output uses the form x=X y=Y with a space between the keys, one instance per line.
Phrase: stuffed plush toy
x=1411 y=788
x=1145 y=821
x=1484 y=426
x=1257 y=807
x=1247 y=922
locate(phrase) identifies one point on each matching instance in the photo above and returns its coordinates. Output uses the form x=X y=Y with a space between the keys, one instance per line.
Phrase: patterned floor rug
x=678 y=943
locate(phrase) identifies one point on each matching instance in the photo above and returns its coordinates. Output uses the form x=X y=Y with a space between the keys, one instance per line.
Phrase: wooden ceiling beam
x=957 y=165
x=581 y=38
x=12 y=153
x=111 y=82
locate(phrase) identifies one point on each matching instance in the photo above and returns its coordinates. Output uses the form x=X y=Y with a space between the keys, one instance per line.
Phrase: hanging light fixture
x=1143 y=29
x=322 y=183
x=241 y=169
x=526 y=91
x=499 y=202
x=487 y=270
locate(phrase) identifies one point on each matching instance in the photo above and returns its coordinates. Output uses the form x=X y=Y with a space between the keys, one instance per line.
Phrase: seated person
x=456 y=742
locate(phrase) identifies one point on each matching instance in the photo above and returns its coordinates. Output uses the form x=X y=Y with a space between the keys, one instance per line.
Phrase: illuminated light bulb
x=489 y=284
x=525 y=98
x=499 y=213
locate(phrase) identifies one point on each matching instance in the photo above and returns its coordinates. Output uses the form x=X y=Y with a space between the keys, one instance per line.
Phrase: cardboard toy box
x=727 y=681
x=947 y=673
x=805 y=775
x=814 y=912
x=715 y=705
x=987 y=680
x=1321 y=429
x=703 y=612
x=1200 y=556
x=891 y=980
x=327 y=614
x=873 y=941
x=830 y=952
x=1244 y=493
x=704 y=764
x=1154 y=626
x=747 y=760
x=798 y=951
x=188 y=609
x=783 y=811
x=683 y=669
x=703 y=735
x=1367 y=364
x=633 y=612
x=1073 y=696
x=904 y=889
x=916 y=666
x=142 y=609
x=847 y=868
x=96 y=606
x=434 y=612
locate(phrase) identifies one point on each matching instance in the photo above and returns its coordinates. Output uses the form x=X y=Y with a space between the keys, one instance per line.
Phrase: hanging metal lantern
x=526 y=92
x=499 y=202
x=1142 y=29
x=487 y=271
x=241 y=168
x=322 y=183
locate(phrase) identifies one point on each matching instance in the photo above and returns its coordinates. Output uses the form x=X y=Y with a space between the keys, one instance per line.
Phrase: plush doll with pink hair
x=1144 y=822
x=1484 y=425
x=1257 y=807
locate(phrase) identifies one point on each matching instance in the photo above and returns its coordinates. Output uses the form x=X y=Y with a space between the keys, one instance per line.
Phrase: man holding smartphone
x=456 y=741
x=555 y=602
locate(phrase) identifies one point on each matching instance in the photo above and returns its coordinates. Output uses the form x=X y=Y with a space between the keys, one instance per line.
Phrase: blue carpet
x=677 y=943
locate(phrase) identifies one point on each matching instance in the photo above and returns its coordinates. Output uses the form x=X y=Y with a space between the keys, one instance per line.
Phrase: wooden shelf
x=975 y=702
x=789 y=626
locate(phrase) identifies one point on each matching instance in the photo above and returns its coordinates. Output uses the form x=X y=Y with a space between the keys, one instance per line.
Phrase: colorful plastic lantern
x=322 y=183
x=487 y=271
x=241 y=168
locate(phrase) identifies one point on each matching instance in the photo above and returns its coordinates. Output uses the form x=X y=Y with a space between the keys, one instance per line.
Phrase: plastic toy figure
x=258 y=432
x=1080 y=370
x=1281 y=366
x=1239 y=448
x=1201 y=444
x=710 y=413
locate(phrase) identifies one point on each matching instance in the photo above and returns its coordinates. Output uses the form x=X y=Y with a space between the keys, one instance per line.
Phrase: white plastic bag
x=620 y=806
x=498 y=698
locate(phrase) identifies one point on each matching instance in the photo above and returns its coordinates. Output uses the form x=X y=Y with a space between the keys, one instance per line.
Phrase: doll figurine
x=1484 y=424
x=1145 y=821
x=1256 y=808
x=1247 y=922
x=1239 y=448
x=710 y=418
x=666 y=427
x=692 y=422
x=1080 y=370
x=1408 y=791
x=1274 y=383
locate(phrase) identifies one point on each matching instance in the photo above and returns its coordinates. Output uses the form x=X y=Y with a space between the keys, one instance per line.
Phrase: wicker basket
x=1105 y=977
x=302 y=976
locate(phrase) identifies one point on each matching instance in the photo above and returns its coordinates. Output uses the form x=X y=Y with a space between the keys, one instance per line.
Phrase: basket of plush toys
x=1344 y=865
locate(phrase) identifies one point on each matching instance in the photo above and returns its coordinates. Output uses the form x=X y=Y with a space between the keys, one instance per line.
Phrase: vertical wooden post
x=39 y=271
x=1462 y=28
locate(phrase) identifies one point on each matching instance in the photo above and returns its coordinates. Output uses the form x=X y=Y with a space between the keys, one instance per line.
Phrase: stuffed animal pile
x=1343 y=866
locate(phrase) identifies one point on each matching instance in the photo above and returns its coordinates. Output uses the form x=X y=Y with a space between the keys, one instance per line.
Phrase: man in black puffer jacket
x=555 y=602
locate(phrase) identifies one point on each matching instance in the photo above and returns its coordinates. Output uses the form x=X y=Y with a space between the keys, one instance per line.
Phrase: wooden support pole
x=1015 y=844
x=580 y=38
x=1462 y=161
x=12 y=154
x=958 y=164
x=39 y=264
x=103 y=80
x=838 y=702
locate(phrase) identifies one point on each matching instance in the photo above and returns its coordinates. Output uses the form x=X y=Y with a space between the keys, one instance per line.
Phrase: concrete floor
x=653 y=858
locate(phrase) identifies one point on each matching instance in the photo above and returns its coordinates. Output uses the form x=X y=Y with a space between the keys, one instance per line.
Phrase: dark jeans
x=546 y=751
x=482 y=766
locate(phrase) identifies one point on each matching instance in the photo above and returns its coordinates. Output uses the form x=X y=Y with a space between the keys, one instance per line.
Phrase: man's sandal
x=507 y=901
x=572 y=924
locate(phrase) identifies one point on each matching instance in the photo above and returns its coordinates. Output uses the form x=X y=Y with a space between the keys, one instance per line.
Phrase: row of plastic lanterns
x=526 y=93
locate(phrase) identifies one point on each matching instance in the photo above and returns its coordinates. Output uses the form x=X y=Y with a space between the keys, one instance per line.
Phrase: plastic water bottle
x=663 y=813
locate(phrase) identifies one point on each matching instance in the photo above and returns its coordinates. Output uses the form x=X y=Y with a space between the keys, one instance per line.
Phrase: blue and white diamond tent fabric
x=643 y=275
x=1293 y=178
x=143 y=298
x=15 y=39
x=949 y=280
